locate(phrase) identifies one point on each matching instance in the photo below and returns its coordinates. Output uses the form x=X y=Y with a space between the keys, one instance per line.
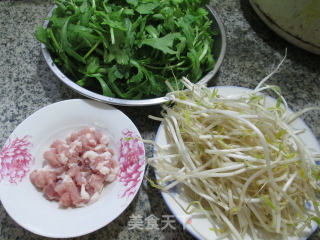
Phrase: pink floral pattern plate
x=23 y=152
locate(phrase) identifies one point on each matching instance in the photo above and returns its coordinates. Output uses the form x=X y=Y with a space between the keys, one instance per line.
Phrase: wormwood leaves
x=129 y=48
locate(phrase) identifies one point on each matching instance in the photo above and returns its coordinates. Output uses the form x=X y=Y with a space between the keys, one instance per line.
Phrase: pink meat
x=79 y=179
x=95 y=162
x=41 y=178
x=60 y=188
x=97 y=136
x=75 y=149
x=95 y=183
x=91 y=140
x=84 y=131
x=59 y=170
x=85 y=166
x=65 y=200
x=70 y=187
x=111 y=151
x=86 y=144
x=84 y=161
x=59 y=146
x=52 y=158
x=114 y=167
x=74 y=160
x=75 y=173
x=72 y=138
x=101 y=148
x=73 y=170
x=50 y=193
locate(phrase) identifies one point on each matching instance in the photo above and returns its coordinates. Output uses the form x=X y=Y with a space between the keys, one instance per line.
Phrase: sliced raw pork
x=77 y=169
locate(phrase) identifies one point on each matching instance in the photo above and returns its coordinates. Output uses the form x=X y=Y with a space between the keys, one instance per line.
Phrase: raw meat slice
x=77 y=169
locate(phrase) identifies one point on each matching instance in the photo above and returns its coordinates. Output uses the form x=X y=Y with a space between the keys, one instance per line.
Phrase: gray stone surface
x=27 y=84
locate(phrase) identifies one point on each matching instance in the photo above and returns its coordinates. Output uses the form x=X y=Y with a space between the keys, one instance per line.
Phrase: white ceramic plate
x=285 y=33
x=23 y=152
x=198 y=225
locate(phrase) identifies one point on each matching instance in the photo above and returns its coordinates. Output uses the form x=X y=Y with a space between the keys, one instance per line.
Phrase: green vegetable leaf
x=119 y=55
x=132 y=2
x=66 y=45
x=86 y=13
x=163 y=44
x=114 y=73
x=105 y=88
x=177 y=2
x=202 y=12
x=136 y=78
x=152 y=31
x=130 y=48
x=195 y=64
x=41 y=35
x=93 y=65
x=181 y=46
x=113 y=23
x=146 y=8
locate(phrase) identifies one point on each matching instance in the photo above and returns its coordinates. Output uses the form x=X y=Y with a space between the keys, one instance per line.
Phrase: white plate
x=285 y=34
x=199 y=226
x=23 y=152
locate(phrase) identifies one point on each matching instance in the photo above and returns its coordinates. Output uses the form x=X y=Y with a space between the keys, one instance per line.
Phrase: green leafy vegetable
x=163 y=44
x=128 y=49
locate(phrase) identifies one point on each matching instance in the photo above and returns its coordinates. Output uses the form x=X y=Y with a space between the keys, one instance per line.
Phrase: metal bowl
x=219 y=51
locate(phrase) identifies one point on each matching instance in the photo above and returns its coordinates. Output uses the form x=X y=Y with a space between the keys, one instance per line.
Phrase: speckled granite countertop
x=27 y=84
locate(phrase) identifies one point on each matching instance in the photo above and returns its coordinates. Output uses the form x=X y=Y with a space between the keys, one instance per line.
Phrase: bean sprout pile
x=242 y=159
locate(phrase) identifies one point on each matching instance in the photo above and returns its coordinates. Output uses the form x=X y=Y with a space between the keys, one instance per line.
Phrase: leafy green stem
x=92 y=49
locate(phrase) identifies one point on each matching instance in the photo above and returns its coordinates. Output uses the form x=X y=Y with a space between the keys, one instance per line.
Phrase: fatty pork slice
x=95 y=184
x=94 y=136
x=77 y=175
x=75 y=150
x=52 y=158
x=76 y=135
x=114 y=167
x=42 y=177
x=89 y=133
x=103 y=164
x=65 y=200
x=69 y=192
x=46 y=181
x=78 y=167
x=50 y=192
x=57 y=155
x=88 y=141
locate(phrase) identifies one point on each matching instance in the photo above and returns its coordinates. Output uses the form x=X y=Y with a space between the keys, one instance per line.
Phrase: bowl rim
x=126 y=102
